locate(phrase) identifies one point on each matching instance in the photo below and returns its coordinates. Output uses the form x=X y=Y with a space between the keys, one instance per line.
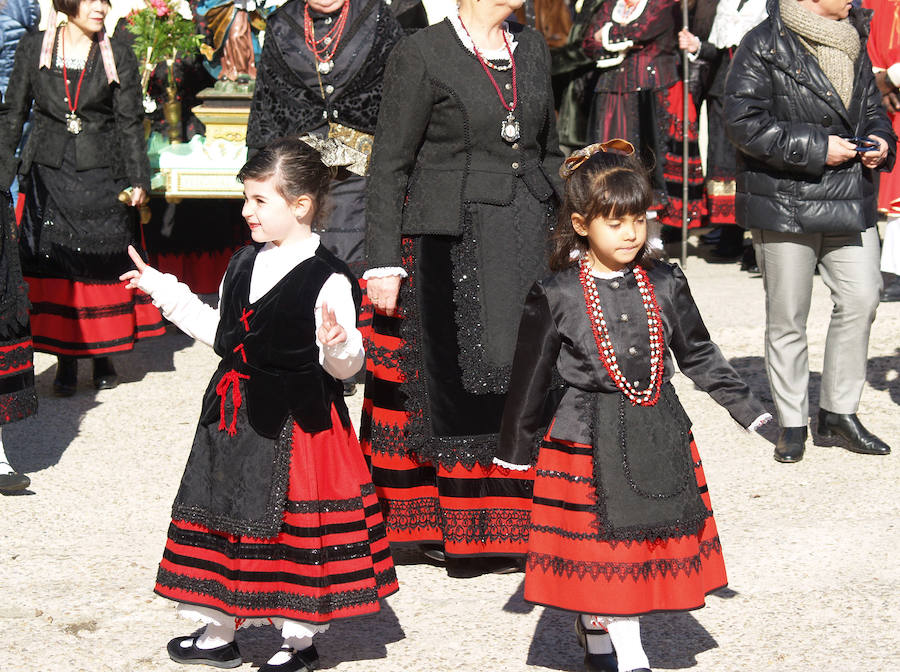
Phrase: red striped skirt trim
x=81 y=319
x=330 y=560
x=482 y=511
x=570 y=567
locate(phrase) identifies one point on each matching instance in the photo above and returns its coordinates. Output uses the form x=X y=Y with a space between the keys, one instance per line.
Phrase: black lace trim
x=388 y=440
x=16 y=358
x=268 y=525
x=478 y=377
x=330 y=505
x=637 y=571
x=275 y=603
x=380 y=355
x=550 y=473
x=412 y=513
x=483 y=525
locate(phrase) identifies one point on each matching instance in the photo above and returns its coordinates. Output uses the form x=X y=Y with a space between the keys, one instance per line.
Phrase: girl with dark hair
x=621 y=523
x=276 y=519
x=85 y=151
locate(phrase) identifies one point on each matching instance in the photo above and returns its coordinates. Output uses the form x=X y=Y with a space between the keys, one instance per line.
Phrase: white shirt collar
x=491 y=55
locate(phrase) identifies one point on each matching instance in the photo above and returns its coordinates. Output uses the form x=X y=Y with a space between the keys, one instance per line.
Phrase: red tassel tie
x=230 y=379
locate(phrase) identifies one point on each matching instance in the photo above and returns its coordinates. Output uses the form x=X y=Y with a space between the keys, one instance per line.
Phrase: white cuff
x=693 y=57
x=613 y=46
x=508 y=465
x=759 y=422
x=893 y=74
x=384 y=272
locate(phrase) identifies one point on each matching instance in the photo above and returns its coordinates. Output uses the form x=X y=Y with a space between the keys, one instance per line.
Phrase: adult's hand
x=889 y=92
x=840 y=150
x=138 y=197
x=875 y=157
x=688 y=42
x=383 y=293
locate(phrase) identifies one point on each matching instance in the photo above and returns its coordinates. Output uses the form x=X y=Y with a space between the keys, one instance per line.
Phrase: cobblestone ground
x=810 y=548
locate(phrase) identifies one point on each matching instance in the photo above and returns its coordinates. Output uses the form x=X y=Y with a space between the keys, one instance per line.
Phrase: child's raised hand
x=330 y=332
x=132 y=277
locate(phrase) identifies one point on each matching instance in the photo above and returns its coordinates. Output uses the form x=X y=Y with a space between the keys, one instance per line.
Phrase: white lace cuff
x=508 y=465
x=384 y=272
x=613 y=46
x=759 y=422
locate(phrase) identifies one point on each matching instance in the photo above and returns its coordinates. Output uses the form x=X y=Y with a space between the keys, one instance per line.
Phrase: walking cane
x=685 y=148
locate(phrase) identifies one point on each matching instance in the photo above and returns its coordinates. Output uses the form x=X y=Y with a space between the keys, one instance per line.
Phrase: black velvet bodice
x=272 y=342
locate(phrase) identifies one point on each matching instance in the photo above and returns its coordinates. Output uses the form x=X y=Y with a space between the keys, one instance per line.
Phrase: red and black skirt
x=430 y=439
x=570 y=566
x=330 y=560
x=74 y=236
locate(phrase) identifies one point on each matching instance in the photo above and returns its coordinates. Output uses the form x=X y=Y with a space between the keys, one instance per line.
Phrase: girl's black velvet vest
x=270 y=346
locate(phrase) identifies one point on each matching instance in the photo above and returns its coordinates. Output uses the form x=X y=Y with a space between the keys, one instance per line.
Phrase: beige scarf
x=835 y=44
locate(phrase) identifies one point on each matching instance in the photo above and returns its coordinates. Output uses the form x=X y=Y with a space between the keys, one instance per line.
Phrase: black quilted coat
x=780 y=109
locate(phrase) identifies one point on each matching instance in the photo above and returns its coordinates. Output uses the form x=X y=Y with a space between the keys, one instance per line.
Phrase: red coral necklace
x=325 y=47
x=509 y=127
x=650 y=395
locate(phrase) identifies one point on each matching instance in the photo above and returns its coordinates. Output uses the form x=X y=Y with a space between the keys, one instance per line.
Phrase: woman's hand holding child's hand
x=330 y=332
x=133 y=277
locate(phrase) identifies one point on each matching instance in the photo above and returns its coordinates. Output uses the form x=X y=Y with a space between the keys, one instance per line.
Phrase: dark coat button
x=826 y=120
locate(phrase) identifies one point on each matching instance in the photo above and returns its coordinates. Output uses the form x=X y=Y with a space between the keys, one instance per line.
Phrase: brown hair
x=298 y=170
x=70 y=7
x=610 y=185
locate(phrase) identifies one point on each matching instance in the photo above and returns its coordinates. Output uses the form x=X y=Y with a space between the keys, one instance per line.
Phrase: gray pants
x=848 y=264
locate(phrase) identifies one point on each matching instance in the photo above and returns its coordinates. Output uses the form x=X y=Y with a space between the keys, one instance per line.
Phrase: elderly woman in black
x=320 y=73
x=461 y=199
x=86 y=146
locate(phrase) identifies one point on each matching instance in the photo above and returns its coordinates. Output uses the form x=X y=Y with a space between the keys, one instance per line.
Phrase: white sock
x=626 y=639
x=293 y=644
x=5 y=468
x=214 y=636
x=596 y=643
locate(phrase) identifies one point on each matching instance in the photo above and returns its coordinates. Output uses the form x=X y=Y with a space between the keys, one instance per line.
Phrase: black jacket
x=555 y=332
x=780 y=109
x=112 y=116
x=438 y=143
x=284 y=102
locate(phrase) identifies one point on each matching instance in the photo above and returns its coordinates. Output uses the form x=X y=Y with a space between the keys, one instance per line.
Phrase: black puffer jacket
x=780 y=109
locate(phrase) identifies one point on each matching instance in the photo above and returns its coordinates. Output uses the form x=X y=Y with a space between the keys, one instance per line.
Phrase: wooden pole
x=685 y=145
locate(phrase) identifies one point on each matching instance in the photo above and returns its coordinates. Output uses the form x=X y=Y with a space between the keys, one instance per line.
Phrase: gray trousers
x=848 y=264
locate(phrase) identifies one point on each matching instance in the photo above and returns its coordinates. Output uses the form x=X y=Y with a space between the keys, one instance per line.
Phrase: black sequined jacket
x=438 y=145
x=112 y=115
x=285 y=102
x=555 y=332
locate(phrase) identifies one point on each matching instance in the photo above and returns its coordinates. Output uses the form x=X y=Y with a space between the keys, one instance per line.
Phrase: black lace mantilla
x=636 y=571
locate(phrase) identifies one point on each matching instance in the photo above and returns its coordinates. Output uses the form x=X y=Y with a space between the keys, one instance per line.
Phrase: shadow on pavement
x=364 y=638
x=39 y=442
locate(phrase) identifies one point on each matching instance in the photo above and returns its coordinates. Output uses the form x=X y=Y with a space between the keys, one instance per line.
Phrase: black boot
x=65 y=383
x=856 y=438
x=891 y=290
x=791 y=444
x=105 y=376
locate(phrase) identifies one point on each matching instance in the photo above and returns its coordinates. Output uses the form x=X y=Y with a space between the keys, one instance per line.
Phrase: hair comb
x=579 y=156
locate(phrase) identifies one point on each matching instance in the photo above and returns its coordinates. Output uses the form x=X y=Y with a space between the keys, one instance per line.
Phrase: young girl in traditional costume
x=621 y=522
x=276 y=519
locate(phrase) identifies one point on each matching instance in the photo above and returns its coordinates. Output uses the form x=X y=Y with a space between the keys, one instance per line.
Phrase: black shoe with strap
x=791 y=444
x=305 y=660
x=594 y=662
x=13 y=482
x=856 y=438
x=225 y=656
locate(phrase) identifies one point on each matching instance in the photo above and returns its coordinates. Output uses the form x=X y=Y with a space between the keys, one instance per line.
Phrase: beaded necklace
x=73 y=121
x=325 y=47
x=650 y=395
x=509 y=128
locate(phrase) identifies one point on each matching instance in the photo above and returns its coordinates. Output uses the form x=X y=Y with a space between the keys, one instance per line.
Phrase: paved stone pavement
x=811 y=548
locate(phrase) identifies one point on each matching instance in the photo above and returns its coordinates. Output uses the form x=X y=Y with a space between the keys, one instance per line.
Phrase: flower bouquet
x=162 y=30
